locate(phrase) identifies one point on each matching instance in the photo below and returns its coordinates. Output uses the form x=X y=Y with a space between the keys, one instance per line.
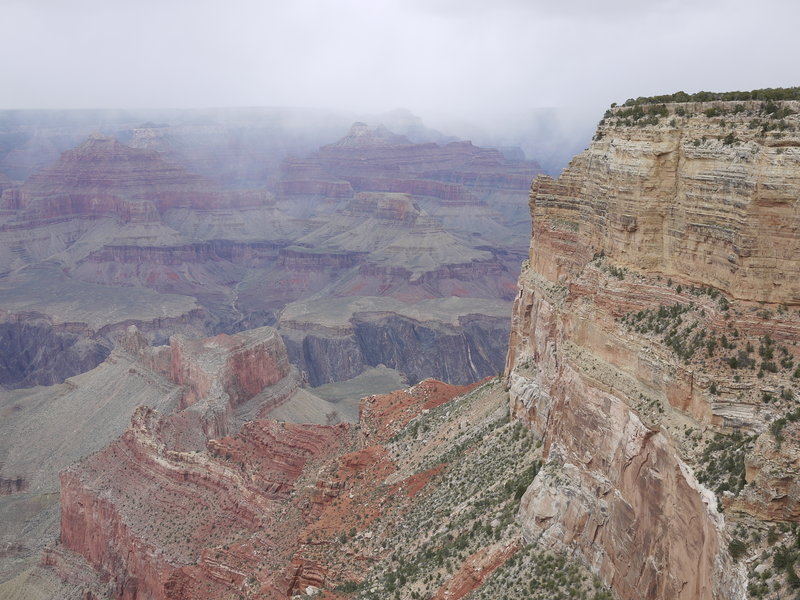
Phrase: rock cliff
x=457 y=339
x=103 y=177
x=463 y=186
x=203 y=388
x=642 y=443
x=34 y=352
x=125 y=509
x=660 y=260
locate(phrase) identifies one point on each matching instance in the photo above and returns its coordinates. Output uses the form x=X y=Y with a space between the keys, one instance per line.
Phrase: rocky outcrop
x=242 y=364
x=233 y=378
x=772 y=474
x=130 y=521
x=455 y=354
x=456 y=176
x=106 y=178
x=666 y=203
x=390 y=156
x=455 y=339
x=278 y=509
x=305 y=177
x=710 y=200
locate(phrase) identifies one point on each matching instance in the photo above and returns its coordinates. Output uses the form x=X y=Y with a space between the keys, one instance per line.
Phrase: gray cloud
x=458 y=56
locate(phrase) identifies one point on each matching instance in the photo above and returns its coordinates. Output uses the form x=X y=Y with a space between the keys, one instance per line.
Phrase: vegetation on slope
x=460 y=536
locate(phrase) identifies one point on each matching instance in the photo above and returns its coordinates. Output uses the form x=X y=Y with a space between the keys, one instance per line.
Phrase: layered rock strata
x=34 y=352
x=125 y=509
x=203 y=389
x=279 y=510
x=634 y=315
x=198 y=259
x=462 y=185
x=457 y=339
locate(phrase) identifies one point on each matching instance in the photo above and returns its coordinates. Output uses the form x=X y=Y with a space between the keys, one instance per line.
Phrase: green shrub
x=776 y=429
x=737 y=548
x=730 y=139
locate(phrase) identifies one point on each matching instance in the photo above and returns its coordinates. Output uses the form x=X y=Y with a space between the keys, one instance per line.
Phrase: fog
x=478 y=62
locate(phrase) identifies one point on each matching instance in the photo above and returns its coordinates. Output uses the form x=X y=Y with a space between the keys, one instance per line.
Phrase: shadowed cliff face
x=458 y=353
x=36 y=353
x=662 y=262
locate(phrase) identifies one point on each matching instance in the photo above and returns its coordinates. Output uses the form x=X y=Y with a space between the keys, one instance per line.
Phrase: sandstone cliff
x=633 y=346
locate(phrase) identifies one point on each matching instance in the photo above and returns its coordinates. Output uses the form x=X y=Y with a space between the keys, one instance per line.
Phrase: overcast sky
x=464 y=56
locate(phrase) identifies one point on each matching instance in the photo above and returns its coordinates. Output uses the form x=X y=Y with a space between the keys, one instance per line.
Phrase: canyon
x=115 y=234
x=161 y=234
x=641 y=440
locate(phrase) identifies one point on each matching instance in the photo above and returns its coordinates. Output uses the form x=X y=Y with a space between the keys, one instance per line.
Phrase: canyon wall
x=113 y=234
x=203 y=388
x=34 y=352
x=664 y=249
x=280 y=510
x=125 y=509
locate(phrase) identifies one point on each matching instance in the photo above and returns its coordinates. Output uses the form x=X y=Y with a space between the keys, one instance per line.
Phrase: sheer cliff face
x=705 y=198
x=710 y=199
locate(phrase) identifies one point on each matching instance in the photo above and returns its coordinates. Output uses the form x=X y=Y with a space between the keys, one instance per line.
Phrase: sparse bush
x=776 y=429
x=737 y=548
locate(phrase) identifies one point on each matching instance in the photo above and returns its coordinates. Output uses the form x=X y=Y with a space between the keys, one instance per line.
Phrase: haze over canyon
x=270 y=353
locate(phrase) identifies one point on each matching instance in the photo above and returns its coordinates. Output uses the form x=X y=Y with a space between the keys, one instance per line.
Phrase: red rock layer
x=242 y=364
x=246 y=516
x=378 y=160
x=142 y=513
x=387 y=414
x=103 y=178
x=296 y=258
